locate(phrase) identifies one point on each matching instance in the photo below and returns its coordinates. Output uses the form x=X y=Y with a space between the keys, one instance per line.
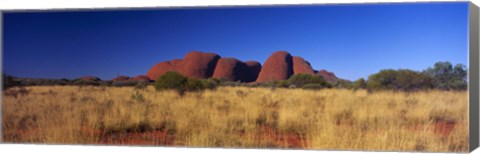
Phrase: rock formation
x=233 y=69
x=121 y=78
x=159 y=69
x=252 y=71
x=90 y=78
x=140 y=78
x=229 y=69
x=199 y=64
x=277 y=67
x=328 y=76
x=301 y=66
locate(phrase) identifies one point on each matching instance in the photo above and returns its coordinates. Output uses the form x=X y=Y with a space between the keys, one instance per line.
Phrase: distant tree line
x=11 y=81
x=443 y=76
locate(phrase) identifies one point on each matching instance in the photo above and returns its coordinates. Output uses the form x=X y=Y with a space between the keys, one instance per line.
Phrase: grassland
x=238 y=117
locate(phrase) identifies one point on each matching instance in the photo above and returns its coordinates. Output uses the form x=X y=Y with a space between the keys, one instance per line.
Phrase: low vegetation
x=175 y=81
x=241 y=117
x=391 y=110
x=442 y=76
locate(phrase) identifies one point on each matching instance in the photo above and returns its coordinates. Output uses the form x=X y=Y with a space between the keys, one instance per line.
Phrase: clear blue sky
x=352 y=41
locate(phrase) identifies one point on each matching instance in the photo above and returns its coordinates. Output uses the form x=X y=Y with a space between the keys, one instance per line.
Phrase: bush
x=215 y=81
x=41 y=82
x=282 y=83
x=231 y=84
x=300 y=80
x=194 y=85
x=106 y=83
x=448 y=77
x=342 y=84
x=314 y=86
x=253 y=84
x=403 y=79
x=359 y=84
x=209 y=84
x=8 y=82
x=176 y=81
x=171 y=80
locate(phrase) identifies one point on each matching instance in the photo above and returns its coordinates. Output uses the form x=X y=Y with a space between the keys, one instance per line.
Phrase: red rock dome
x=90 y=78
x=199 y=64
x=328 y=76
x=229 y=69
x=159 y=69
x=252 y=71
x=277 y=67
x=301 y=66
x=121 y=78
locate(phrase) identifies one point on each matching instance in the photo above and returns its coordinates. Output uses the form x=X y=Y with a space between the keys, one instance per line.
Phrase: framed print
x=364 y=77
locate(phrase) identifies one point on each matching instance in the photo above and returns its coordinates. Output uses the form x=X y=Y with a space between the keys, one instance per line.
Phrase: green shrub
x=283 y=83
x=215 y=81
x=41 y=82
x=106 y=83
x=194 y=85
x=359 y=84
x=314 y=86
x=171 y=80
x=253 y=84
x=231 y=84
x=300 y=80
x=129 y=83
x=448 y=77
x=341 y=83
x=402 y=79
x=176 y=81
x=209 y=84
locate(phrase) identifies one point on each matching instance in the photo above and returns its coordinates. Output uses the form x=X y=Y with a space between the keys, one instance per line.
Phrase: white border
x=8 y=5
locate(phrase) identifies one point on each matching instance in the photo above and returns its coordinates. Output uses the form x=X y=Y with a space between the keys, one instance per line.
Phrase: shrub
x=402 y=79
x=282 y=83
x=209 y=84
x=85 y=82
x=292 y=86
x=214 y=81
x=175 y=81
x=302 y=79
x=314 y=86
x=8 y=82
x=106 y=83
x=41 y=82
x=448 y=77
x=231 y=83
x=194 y=85
x=171 y=80
x=253 y=84
x=359 y=84
x=124 y=83
x=342 y=84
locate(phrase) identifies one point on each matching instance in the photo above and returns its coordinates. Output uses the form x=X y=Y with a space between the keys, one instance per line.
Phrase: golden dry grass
x=242 y=117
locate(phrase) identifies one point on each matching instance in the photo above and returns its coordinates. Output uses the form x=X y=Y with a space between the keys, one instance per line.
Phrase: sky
x=351 y=40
